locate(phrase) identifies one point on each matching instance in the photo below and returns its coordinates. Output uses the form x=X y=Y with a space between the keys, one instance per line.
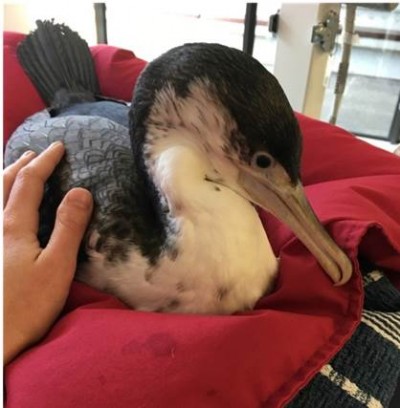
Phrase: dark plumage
x=211 y=134
x=241 y=84
x=96 y=137
x=49 y=57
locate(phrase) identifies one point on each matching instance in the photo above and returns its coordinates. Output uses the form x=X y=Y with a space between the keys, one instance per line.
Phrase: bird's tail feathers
x=59 y=63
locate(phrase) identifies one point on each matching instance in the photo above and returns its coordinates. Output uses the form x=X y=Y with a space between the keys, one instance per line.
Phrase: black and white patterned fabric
x=365 y=373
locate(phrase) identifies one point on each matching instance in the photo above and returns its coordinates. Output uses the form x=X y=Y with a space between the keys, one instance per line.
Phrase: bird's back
x=98 y=157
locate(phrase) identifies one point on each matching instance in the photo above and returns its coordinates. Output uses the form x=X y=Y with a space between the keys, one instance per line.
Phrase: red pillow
x=332 y=153
x=101 y=354
x=117 y=71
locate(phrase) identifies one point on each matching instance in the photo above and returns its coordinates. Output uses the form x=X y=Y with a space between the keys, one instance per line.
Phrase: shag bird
x=177 y=176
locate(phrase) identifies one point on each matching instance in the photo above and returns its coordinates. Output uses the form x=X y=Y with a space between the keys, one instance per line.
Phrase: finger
x=72 y=218
x=27 y=192
x=11 y=171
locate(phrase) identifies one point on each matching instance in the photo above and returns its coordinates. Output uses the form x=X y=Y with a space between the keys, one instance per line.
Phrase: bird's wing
x=98 y=157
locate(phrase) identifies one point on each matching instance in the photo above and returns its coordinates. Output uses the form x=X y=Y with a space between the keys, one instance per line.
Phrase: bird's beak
x=273 y=191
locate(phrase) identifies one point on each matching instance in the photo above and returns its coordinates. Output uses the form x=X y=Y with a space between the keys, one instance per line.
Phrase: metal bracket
x=324 y=33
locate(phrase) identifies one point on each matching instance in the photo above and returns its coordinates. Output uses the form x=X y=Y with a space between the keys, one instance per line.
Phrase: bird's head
x=227 y=105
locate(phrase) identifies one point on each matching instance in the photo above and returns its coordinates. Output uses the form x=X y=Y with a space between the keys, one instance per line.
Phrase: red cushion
x=117 y=71
x=100 y=354
x=332 y=153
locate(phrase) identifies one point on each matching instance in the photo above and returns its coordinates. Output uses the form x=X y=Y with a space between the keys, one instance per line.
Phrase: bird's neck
x=183 y=157
x=191 y=187
x=179 y=169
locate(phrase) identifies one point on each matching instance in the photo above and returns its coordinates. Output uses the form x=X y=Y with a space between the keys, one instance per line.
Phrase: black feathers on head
x=248 y=91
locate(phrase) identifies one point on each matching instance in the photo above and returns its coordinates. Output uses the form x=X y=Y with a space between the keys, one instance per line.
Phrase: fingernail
x=28 y=153
x=80 y=197
x=55 y=144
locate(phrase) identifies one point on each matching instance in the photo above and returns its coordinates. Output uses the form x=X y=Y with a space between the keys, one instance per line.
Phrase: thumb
x=73 y=215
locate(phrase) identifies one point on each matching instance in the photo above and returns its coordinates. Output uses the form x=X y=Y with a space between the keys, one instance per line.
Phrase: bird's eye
x=262 y=160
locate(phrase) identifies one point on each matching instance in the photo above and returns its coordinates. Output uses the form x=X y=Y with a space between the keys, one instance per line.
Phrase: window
x=373 y=84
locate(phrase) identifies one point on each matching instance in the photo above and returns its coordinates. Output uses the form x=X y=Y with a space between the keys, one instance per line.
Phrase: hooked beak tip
x=290 y=205
x=345 y=277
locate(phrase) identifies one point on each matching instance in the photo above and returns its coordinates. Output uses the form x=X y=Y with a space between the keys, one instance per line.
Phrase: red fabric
x=100 y=354
x=331 y=153
x=117 y=71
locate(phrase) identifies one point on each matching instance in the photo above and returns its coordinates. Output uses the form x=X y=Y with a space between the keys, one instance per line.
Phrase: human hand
x=37 y=280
